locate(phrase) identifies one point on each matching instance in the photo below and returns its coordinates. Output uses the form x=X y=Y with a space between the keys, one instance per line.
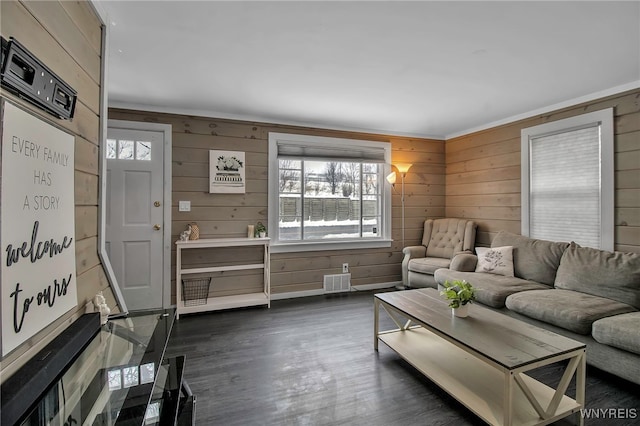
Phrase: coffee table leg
x=508 y=398
x=376 y=310
x=581 y=377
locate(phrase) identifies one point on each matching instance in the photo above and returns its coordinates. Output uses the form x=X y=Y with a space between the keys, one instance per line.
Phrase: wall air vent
x=22 y=74
x=337 y=283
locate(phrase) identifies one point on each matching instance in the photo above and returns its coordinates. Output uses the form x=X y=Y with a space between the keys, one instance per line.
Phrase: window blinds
x=564 y=183
x=345 y=151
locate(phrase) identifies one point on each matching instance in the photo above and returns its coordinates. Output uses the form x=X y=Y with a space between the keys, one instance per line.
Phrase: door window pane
x=125 y=150
x=112 y=147
x=143 y=151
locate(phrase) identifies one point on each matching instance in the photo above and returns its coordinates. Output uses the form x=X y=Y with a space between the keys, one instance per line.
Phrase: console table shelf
x=223 y=302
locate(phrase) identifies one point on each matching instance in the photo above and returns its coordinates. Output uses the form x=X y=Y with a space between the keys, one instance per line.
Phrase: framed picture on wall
x=226 y=172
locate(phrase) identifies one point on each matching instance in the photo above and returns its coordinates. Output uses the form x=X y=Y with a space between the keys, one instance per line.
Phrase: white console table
x=223 y=302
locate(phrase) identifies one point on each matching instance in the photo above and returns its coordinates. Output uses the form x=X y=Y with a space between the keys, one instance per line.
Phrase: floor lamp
x=403 y=168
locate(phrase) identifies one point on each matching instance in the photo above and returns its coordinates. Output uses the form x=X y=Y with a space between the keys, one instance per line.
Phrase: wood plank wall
x=227 y=215
x=483 y=171
x=67 y=37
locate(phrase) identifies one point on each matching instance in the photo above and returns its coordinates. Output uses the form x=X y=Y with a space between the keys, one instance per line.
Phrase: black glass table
x=121 y=377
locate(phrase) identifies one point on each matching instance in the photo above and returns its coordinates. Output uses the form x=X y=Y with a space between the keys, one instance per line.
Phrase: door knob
x=156 y=227
x=157 y=204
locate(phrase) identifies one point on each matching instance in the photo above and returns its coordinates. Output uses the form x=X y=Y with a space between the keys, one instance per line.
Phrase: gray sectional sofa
x=589 y=295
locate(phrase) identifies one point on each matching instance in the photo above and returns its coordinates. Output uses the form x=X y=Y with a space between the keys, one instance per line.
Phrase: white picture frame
x=226 y=172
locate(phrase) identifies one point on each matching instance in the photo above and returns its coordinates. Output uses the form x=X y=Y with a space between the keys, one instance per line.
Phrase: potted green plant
x=261 y=230
x=460 y=294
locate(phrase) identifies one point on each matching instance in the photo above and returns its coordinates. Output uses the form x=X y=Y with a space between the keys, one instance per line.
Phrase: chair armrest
x=464 y=262
x=414 y=251
x=410 y=253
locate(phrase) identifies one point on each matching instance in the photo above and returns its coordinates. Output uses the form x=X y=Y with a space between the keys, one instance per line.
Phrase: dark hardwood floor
x=310 y=361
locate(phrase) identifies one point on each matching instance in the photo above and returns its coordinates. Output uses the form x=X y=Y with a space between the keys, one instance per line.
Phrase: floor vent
x=337 y=283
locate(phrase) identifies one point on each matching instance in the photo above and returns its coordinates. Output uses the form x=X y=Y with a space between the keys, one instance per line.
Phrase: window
x=328 y=193
x=128 y=150
x=567 y=180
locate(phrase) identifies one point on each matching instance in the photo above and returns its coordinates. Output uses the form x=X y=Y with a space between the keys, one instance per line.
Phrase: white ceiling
x=434 y=69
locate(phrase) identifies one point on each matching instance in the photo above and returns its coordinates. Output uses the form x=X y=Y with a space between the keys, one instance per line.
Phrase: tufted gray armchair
x=442 y=240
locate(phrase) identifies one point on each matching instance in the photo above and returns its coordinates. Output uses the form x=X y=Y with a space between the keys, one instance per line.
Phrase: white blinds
x=303 y=146
x=332 y=152
x=564 y=203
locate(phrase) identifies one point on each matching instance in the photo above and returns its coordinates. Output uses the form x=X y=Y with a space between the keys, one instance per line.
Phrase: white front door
x=134 y=214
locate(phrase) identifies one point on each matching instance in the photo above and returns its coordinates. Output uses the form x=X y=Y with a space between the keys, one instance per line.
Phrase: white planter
x=461 y=312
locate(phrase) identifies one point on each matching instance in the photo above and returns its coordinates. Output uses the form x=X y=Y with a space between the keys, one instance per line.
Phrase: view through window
x=328 y=190
x=328 y=199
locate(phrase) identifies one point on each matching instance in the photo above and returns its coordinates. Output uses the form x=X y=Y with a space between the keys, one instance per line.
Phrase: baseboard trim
x=377 y=286
x=294 y=294
x=320 y=291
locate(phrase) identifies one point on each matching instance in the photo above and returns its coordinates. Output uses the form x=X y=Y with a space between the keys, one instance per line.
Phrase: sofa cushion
x=613 y=275
x=490 y=289
x=567 y=309
x=533 y=260
x=495 y=260
x=619 y=331
x=428 y=265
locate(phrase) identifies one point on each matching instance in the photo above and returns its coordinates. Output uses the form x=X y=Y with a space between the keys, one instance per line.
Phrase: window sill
x=329 y=245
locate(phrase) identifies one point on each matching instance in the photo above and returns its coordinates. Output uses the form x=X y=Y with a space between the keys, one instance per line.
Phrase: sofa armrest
x=464 y=262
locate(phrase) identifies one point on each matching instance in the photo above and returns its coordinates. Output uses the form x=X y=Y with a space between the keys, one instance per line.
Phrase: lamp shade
x=403 y=167
x=391 y=178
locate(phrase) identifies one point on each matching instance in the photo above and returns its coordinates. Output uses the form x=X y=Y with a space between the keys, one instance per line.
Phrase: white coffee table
x=481 y=360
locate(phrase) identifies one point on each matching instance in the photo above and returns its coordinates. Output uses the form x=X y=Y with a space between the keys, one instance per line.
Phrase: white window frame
x=603 y=119
x=278 y=246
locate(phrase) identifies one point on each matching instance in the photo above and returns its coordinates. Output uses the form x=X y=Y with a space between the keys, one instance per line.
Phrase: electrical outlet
x=184 y=206
x=345 y=268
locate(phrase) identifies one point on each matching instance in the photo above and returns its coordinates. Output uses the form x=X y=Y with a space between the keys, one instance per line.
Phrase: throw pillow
x=495 y=260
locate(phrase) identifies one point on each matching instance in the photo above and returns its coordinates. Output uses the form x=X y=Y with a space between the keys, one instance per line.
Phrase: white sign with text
x=38 y=227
